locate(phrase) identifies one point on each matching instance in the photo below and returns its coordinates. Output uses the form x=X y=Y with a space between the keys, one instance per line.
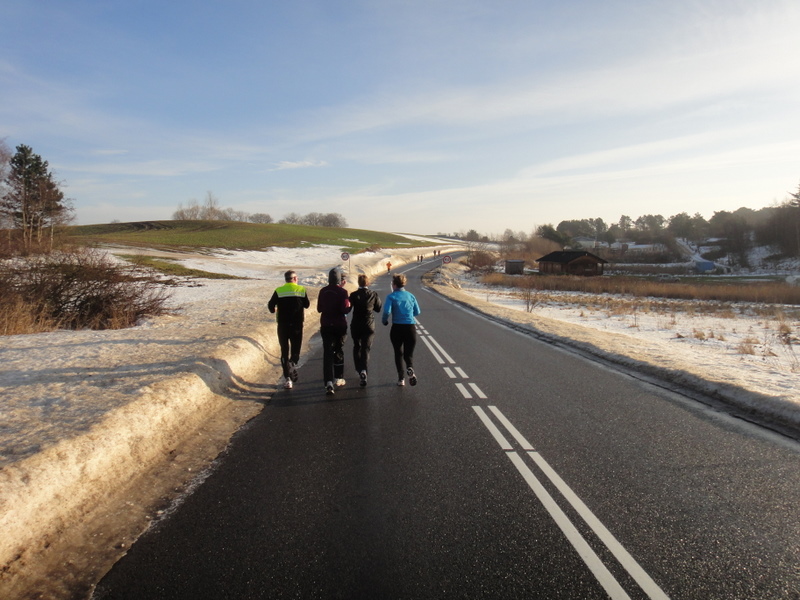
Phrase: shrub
x=747 y=346
x=79 y=289
x=480 y=260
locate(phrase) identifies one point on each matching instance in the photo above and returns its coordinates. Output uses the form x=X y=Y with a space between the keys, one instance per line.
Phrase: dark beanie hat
x=335 y=276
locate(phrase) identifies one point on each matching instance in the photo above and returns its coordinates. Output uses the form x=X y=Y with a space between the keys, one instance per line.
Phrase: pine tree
x=32 y=201
x=795 y=202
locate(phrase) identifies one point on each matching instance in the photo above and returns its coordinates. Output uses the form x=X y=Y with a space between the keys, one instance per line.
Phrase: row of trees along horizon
x=33 y=208
x=211 y=210
x=730 y=234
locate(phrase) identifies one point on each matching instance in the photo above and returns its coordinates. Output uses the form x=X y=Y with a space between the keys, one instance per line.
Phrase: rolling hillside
x=231 y=235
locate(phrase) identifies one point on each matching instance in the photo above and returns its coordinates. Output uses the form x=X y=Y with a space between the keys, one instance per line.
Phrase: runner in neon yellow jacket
x=289 y=301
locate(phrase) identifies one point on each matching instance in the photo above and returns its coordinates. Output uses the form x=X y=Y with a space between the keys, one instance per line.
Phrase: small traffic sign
x=345 y=256
x=446 y=259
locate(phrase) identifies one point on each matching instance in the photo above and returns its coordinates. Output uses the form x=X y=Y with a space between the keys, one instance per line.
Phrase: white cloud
x=302 y=164
x=706 y=60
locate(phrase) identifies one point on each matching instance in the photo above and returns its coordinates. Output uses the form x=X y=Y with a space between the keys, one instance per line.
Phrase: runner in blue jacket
x=402 y=306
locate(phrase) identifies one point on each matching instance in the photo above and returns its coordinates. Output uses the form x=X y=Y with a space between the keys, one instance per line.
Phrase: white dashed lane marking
x=478 y=391
x=470 y=390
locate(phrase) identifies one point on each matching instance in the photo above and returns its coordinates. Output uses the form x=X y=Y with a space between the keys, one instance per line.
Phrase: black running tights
x=404 y=339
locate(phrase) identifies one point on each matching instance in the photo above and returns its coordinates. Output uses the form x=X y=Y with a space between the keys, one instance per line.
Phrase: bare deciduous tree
x=5 y=166
x=260 y=218
x=333 y=220
x=291 y=219
x=189 y=213
x=209 y=211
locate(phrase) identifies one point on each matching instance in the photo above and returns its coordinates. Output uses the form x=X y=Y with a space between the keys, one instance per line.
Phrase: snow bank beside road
x=127 y=407
x=86 y=414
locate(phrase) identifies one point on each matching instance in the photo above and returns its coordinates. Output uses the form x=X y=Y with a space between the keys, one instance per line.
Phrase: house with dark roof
x=571 y=262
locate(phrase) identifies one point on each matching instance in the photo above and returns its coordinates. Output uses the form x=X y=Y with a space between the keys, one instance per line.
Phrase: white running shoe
x=412 y=378
x=288 y=384
x=401 y=382
x=340 y=382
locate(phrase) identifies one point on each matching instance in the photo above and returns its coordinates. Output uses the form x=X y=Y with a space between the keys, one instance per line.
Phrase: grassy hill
x=231 y=235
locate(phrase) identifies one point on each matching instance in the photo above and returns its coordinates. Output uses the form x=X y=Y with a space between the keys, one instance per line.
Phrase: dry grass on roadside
x=766 y=292
x=19 y=317
x=625 y=296
x=748 y=346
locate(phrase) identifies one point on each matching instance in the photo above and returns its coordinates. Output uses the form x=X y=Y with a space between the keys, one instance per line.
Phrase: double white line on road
x=442 y=358
x=593 y=562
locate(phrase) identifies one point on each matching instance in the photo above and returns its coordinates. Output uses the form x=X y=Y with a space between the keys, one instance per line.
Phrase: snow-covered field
x=83 y=413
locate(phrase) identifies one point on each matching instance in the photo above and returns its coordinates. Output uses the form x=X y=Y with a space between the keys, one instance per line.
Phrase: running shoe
x=363 y=376
x=401 y=382
x=412 y=378
x=340 y=382
x=293 y=371
x=288 y=384
x=329 y=388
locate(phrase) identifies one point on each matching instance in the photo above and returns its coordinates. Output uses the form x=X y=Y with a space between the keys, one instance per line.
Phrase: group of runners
x=334 y=303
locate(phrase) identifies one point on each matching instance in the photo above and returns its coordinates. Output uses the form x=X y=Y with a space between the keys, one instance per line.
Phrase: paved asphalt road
x=513 y=470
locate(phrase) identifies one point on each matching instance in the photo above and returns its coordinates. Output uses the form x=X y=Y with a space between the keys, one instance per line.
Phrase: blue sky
x=420 y=116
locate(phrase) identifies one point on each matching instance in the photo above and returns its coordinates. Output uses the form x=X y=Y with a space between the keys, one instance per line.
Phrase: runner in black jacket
x=364 y=302
x=334 y=304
